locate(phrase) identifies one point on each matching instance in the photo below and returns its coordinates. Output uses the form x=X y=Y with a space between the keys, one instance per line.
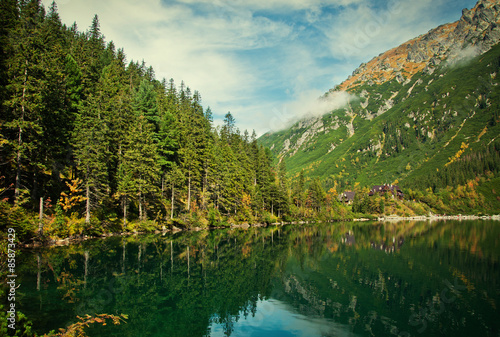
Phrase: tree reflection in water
x=326 y=279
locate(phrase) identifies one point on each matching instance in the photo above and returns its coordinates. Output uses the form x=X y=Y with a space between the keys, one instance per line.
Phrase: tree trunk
x=40 y=218
x=18 y=169
x=140 y=204
x=87 y=204
x=189 y=192
x=17 y=186
x=172 y=206
x=162 y=185
x=124 y=212
x=205 y=183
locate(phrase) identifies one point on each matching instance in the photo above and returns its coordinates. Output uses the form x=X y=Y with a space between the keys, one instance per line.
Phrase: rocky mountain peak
x=475 y=33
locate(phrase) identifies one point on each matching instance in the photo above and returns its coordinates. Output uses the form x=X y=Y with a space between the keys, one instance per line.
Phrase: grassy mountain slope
x=399 y=130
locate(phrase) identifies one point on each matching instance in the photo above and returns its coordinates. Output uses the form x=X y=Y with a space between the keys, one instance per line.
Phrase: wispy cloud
x=253 y=57
x=308 y=104
x=462 y=56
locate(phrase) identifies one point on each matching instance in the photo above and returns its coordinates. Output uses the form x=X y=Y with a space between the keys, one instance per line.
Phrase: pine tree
x=175 y=178
x=167 y=138
x=114 y=99
x=90 y=150
x=138 y=168
x=59 y=113
x=9 y=19
x=145 y=103
x=99 y=137
x=26 y=83
x=317 y=195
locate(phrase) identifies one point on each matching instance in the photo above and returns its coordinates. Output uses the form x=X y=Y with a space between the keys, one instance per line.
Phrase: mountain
x=424 y=114
x=475 y=33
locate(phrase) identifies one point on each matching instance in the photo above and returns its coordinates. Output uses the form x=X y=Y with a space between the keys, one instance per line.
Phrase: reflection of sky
x=278 y=319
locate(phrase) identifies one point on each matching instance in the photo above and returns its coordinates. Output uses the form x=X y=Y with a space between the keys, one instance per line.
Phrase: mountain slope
x=420 y=108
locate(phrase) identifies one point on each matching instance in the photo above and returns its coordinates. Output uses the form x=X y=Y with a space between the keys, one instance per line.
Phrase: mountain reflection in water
x=341 y=279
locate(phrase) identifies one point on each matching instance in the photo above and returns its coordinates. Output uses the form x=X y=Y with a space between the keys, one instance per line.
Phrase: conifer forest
x=98 y=142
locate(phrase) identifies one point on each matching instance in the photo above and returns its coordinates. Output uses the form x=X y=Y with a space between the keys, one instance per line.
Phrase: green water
x=347 y=279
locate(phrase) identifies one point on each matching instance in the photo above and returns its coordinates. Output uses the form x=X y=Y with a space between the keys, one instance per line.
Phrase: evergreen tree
x=145 y=103
x=317 y=195
x=138 y=169
x=167 y=138
x=60 y=111
x=90 y=150
x=9 y=19
x=26 y=83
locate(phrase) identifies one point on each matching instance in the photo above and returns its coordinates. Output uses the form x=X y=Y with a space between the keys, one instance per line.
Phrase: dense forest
x=87 y=136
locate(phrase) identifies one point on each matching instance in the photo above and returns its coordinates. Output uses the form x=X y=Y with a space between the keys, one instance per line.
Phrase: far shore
x=435 y=217
x=389 y=218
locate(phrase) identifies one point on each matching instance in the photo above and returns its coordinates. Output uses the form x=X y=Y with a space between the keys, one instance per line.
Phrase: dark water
x=404 y=279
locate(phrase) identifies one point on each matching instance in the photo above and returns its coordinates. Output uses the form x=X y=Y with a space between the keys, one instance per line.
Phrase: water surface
x=342 y=279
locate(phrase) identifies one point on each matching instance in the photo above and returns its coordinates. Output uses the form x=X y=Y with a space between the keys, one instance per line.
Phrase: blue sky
x=266 y=61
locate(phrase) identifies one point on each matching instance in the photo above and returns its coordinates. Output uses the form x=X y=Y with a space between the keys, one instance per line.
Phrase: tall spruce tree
x=91 y=150
x=138 y=169
x=26 y=83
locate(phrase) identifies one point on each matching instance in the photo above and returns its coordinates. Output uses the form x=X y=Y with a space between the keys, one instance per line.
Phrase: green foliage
x=443 y=132
x=214 y=217
x=18 y=218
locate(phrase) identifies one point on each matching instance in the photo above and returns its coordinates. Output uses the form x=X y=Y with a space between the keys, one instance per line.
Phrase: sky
x=265 y=61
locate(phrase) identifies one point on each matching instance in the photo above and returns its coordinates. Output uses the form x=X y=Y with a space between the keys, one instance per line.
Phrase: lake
x=342 y=279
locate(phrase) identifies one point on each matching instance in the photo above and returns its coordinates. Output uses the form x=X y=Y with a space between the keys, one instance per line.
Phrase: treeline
x=101 y=140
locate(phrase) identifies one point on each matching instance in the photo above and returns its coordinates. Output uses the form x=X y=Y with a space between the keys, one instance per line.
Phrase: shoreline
x=391 y=218
x=435 y=217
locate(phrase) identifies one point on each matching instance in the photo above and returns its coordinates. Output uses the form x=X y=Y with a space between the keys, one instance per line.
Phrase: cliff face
x=475 y=33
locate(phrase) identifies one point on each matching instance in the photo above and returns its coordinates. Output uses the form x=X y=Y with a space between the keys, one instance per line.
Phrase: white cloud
x=362 y=32
x=460 y=57
x=250 y=57
x=178 y=44
x=275 y=4
x=308 y=104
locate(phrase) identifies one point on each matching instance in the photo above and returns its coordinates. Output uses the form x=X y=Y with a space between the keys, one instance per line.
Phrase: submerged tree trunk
x=139 y=257
x=123 y=257
x=86 y=268
x=39 y=274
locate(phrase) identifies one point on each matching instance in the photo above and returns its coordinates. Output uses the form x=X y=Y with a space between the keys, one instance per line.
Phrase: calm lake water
x=342 y=279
